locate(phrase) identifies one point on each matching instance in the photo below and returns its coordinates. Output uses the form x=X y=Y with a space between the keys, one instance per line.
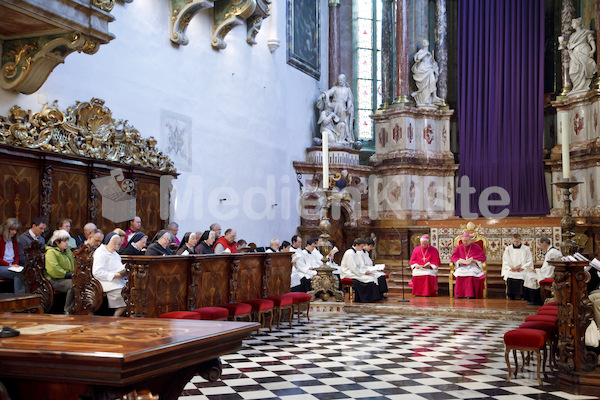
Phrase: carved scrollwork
x=233 y=281
x=566 y=342
x=33 y=275
x=86 y=129
x=105 y=5
x=47 y=192
x=88 y=290
x=194 y=287
x=267 y=276
x=182 y=11
x=26 y=63
x=588 y=360
x=94 y=197
x=138 y=292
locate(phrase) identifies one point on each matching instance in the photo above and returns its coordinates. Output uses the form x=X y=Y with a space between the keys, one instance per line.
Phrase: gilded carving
x=86 y=129
x=182 y=11
x=105 y=5
x=26 y=63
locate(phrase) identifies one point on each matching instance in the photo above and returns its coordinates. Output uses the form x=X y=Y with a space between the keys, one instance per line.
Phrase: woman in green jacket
x=60 y=266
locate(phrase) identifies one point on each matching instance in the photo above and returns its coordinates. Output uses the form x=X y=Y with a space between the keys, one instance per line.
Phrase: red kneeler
x=524 y=339
x=298 y=299
x=259 y=308
x=552 y=332
x=237 y=310
x=543 y=318
x=180 y=315
x=281 y=303
x=212 y=313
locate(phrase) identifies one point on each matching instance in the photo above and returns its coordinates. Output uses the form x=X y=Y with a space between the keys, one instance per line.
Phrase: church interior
x=412 y=124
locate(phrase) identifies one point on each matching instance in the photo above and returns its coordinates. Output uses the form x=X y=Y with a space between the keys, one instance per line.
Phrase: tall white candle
x=565 y=134
x=325 y=161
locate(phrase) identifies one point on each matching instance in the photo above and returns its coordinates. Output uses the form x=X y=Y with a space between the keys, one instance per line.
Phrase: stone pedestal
x=582 y=114
x=412 y=165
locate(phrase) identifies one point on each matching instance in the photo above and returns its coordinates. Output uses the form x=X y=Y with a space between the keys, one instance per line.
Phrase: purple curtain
x=500 y=105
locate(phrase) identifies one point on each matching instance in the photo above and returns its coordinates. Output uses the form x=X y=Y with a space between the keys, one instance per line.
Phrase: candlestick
x=566 y=162
x=325 y=161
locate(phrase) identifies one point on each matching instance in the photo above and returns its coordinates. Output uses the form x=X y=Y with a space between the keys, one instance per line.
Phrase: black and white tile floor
x=359 y=356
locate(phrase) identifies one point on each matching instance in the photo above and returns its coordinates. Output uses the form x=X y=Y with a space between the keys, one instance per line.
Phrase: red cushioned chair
x=548 y=311
x=180 y=315
x=526 y=340
x=238 y=310
x=259 y=308
x=281 y=303
x=543 y=318
x=213 y=313
x=549 y=307
x=551 y=330
x=298 y=300
x=348 y=287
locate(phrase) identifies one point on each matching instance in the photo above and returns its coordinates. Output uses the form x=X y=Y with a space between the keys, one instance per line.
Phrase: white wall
x=252 y=115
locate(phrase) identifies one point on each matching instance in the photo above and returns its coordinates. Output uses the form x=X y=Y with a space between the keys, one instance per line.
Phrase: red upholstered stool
x=549 y=307
x=298 y=300
x=526 y=340
x=281 y=303
x=259 y=308
x=551 y=330
x=237 y=310
x=543 y=318
x=213 y=313
x=548 y=311
x=348 y=286
x=180 y=315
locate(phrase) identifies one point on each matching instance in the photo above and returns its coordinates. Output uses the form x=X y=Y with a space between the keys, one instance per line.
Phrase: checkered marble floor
x=364 y=356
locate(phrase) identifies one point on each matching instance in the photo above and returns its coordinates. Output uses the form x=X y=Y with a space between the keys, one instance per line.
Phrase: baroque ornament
x=397 y=133
x=428 y=134
x=86 y=129
x=577 y=124
x=383 y=137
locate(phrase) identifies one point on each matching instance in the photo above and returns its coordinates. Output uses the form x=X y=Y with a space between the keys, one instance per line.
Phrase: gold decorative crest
x=86 y=129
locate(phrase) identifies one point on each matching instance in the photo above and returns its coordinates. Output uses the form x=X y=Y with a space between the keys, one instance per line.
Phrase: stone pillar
x=402 y=65
x=566 y=16
x=334 y=42
x=387 y=63
x=441 y=49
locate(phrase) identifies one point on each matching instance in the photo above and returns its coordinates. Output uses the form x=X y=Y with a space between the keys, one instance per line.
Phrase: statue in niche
x=581 y=47
x=337 y=113
x=425 y=73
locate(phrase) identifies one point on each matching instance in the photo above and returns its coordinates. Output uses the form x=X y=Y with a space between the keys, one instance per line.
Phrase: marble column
x=334 y=42
x=441 y=49
x=387 y=62
x=566 y=16
x=402 y=71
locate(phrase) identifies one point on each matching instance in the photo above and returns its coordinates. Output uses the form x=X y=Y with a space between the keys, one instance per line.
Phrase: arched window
x=367 y=69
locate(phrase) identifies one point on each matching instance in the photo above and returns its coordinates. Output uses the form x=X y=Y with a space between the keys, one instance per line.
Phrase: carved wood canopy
x=86 y=129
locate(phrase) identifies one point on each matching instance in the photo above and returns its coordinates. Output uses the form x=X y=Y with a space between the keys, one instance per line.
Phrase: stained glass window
x=368 y=64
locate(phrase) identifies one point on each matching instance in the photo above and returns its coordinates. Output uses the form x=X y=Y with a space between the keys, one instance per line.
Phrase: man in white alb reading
x=516 y=260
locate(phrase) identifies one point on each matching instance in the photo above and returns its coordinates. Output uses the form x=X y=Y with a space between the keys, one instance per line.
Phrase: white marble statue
x=581 y=47
x=425 y=73
x=337 y=113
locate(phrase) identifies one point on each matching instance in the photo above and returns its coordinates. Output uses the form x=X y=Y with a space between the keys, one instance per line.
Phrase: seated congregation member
x=136 y=245
x=188 y=244
x=379 y=274
x=226 y=243
x=468 y=258
x=60 y=265
x=121 y=234
x=285 y=246
x=242 y=246
x=9 y=254
x=173 y=227
x=38 y=227
x=205 y=245
x=296 y=248
x=424 y=262
x=110 y=272
x=365 y=282
x=160 y=245
x=273 y=247
x=134 y=226
x=64 y=224
x=304 y=269
x=216 y=228
x=515 y=260
x=552 y=253
x=94 y=239
x=83 y=236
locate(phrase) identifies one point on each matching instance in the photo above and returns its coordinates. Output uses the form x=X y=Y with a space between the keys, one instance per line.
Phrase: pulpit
x=578 y=369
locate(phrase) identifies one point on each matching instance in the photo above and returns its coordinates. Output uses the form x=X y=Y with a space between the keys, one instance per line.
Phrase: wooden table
x=67 y=356
x=26 y=302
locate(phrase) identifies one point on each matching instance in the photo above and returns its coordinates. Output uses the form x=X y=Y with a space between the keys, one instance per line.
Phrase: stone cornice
x=406 y=111
x=304 y=167
x=581 y=100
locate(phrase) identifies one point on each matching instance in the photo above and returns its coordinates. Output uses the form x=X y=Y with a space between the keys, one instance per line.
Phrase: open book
x=376 y=267
x=595 y=263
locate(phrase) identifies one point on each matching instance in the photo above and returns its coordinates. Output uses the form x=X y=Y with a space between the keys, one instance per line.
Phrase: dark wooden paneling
x=214 y=281
x=250 y=278
x=20 y=189
x=148 y=206
x=280 y=274
x=69 y=198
